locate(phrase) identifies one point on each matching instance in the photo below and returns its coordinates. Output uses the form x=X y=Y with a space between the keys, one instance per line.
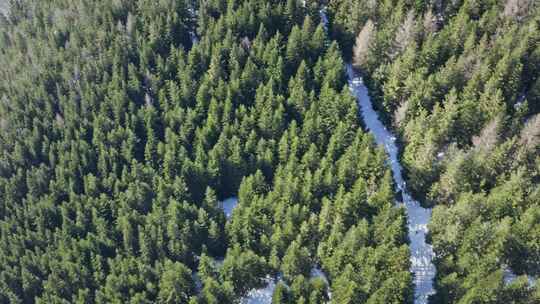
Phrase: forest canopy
x=125 y=123
x=459 y=82
x=119 y=136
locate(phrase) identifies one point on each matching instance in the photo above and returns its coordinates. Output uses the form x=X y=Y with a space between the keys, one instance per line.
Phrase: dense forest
x=119 y=137
x=459 y=81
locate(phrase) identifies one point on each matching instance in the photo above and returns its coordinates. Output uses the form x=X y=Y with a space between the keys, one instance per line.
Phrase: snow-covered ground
x=193 y=15
x=4 y=6
x=318 y=273
x=194 y=38
x=261 y=295
x=418 y=217
x=509 y=276
x=264 y=295
x=324 y=18
x=228 y=206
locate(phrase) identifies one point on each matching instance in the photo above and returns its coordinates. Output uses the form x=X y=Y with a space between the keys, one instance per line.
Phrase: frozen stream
x=418 y=217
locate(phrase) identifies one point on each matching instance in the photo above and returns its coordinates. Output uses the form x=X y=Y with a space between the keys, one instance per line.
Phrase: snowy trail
x=264 y=295
x=418 y=217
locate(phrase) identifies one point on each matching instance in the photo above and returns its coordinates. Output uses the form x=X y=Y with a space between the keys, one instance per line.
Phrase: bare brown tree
x=405 y=34
x=59 y=119
x=530 y=134
x=518 y=8
x=401 y=113
x=489 y=135
x=430 y=22
x=363 y=44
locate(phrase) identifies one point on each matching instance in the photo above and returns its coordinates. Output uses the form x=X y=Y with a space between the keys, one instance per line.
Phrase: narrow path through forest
x=418 y=217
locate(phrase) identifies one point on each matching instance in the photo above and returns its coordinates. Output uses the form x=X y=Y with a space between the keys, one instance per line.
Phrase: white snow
x=261 y=295
x=193 y=15
x=318 y=273
x=418 y=217
x=4 y=7
x=519 y=101
x=194 y=38
x=228 y=206
x=324 y=18
x=509 y=276
x=198 y=283
x=264 y=295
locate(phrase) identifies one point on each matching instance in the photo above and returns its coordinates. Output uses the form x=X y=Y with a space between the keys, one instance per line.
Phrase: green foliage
x=458 y=82
x=119 y=137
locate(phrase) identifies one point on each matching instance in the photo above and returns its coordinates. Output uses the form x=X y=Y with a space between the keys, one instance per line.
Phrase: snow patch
x=264 y=295
x=228 y=206
x=318 y=273
x=194 y=38
x=418 y=217
x=261 y=295
x=509 y=276
x=4 y=7
x=324 y=18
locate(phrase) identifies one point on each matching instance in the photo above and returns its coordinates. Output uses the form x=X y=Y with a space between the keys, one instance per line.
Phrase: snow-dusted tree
x=59 y=119
x=489 y=135
x=518 y=8
x=430 y=22
x=130 y=24
x=371 y=4
x=530 y=134
x=405 y=34
x=401 y=113
x=363 y=44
